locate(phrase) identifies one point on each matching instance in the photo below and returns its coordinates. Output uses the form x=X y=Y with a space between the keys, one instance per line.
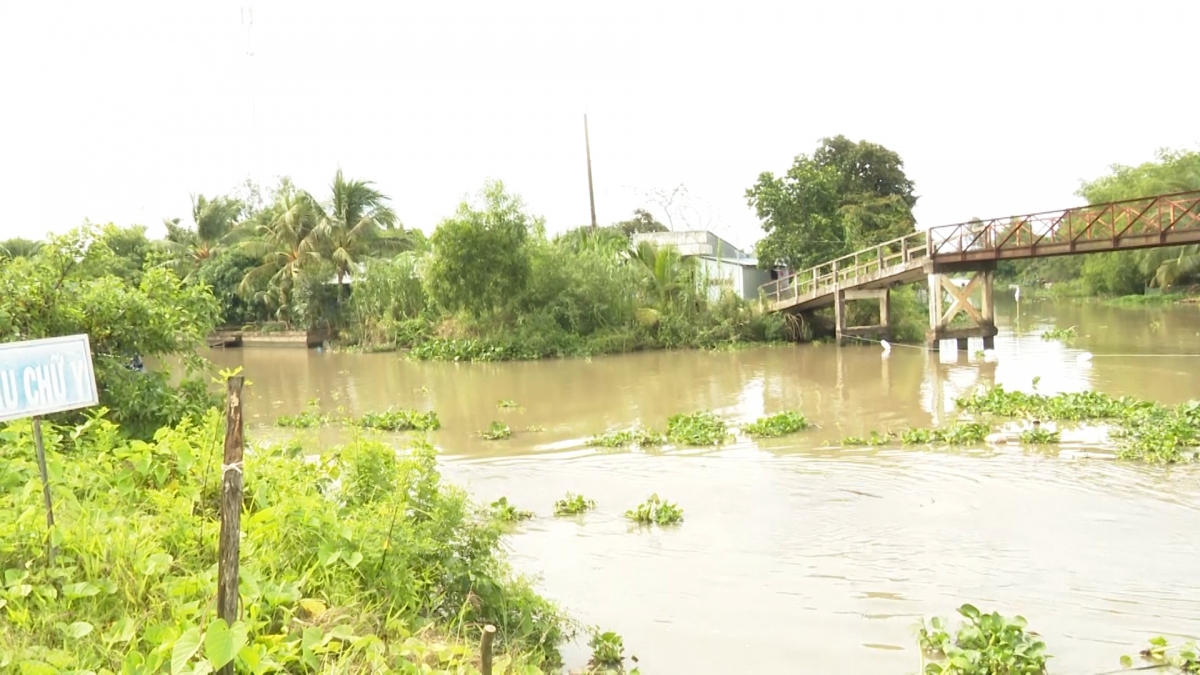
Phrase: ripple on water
x=856 y=548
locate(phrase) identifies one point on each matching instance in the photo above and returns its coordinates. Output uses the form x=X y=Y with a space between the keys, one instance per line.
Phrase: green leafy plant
x=960 y=433
x=343 y=552
x=496 y=431
x=507 y=404
x=310 y=418
x=506 y=512
x=1144 y=430
x=608 y=652
x=1063 y=334
x=400 y=420
x=655 y=511
x=637 y=436
x=1184 y=659
x=985 y=644
x=697 y=429
x=573 y=505
x=779 y=424
x=1040 y=435
x=875 y=438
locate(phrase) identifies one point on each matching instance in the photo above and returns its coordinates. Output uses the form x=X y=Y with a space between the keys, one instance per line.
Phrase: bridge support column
x=880 y=331
x=973 y=300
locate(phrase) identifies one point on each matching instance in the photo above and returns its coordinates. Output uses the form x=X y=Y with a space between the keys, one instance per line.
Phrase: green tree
x=1129 y=272
x=480 y=261
x=357 y=224
x=130 y=249
x=1171 y=171
x=223 y=274
x=642 y=221
x=799 y=214
x=848 y=195
x=69 y=288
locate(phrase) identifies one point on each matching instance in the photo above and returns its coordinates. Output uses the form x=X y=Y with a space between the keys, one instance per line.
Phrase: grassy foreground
x=357 y=560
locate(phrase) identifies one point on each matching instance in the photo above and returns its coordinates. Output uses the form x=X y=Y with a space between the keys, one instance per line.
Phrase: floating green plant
x=637 y=436
x=496 y=431
x=986 y=644
x=505 y=512
x=1062 y=334
x=400 y=420
x=573 y=505
x=655 y=511
x=701 y=428
x=779 y=424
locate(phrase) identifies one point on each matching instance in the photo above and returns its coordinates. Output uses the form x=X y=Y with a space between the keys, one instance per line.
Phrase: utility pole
x=248 y=22
x=588 y=148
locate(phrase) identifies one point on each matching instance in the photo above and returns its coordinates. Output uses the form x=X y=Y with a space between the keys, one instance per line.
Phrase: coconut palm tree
x=19 y=248
x=668 y=277
x=216 y=220
x=1172 y=265
x=283 y=239
x=357 y=224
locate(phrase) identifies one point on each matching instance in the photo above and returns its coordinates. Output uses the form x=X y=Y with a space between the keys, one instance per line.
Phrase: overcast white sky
x=116 y=111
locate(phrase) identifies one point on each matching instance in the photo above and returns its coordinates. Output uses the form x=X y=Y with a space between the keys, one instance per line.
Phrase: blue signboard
x=39 y=377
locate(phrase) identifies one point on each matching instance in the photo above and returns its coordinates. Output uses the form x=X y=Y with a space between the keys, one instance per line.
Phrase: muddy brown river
x=797 y=555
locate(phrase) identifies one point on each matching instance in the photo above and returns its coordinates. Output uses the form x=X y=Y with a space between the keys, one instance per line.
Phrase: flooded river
x=797 y=555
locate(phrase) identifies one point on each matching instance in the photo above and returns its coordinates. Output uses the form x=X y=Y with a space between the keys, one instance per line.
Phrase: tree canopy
x=846 y=196
x=480 y=263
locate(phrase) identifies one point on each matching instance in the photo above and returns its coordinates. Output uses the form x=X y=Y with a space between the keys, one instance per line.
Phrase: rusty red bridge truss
x=975 y=247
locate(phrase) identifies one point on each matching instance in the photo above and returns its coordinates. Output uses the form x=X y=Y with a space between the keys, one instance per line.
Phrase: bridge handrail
x=899 y=251
x=1092 y=222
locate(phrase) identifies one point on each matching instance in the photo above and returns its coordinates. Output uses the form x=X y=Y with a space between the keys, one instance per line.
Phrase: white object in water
x=1084 y=357
x=989 y=355
x=887 y=347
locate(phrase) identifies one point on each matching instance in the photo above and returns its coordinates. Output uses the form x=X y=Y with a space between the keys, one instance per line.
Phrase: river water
x=797 y=555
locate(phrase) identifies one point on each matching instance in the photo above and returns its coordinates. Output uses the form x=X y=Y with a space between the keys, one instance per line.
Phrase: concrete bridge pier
x=880 y=331
x=973 y=299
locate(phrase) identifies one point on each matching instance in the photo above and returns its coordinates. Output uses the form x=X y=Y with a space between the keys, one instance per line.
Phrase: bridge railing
x=1112 y=226
x=820 y=279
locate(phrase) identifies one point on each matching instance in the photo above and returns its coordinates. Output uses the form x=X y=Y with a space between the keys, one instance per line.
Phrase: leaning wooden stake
x=231 y=508
x=485 y=649
x=41 y=462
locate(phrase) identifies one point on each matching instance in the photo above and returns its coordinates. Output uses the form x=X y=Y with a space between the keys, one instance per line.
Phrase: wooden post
x=41 y=462
x=231 y=508
x=885 y=310
x=935 y=312
x=839 y=312
x=485 y=649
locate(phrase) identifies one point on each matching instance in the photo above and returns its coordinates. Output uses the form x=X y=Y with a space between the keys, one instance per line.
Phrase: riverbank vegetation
x=359 y=560
x=1122 y=273
x=489 y=283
